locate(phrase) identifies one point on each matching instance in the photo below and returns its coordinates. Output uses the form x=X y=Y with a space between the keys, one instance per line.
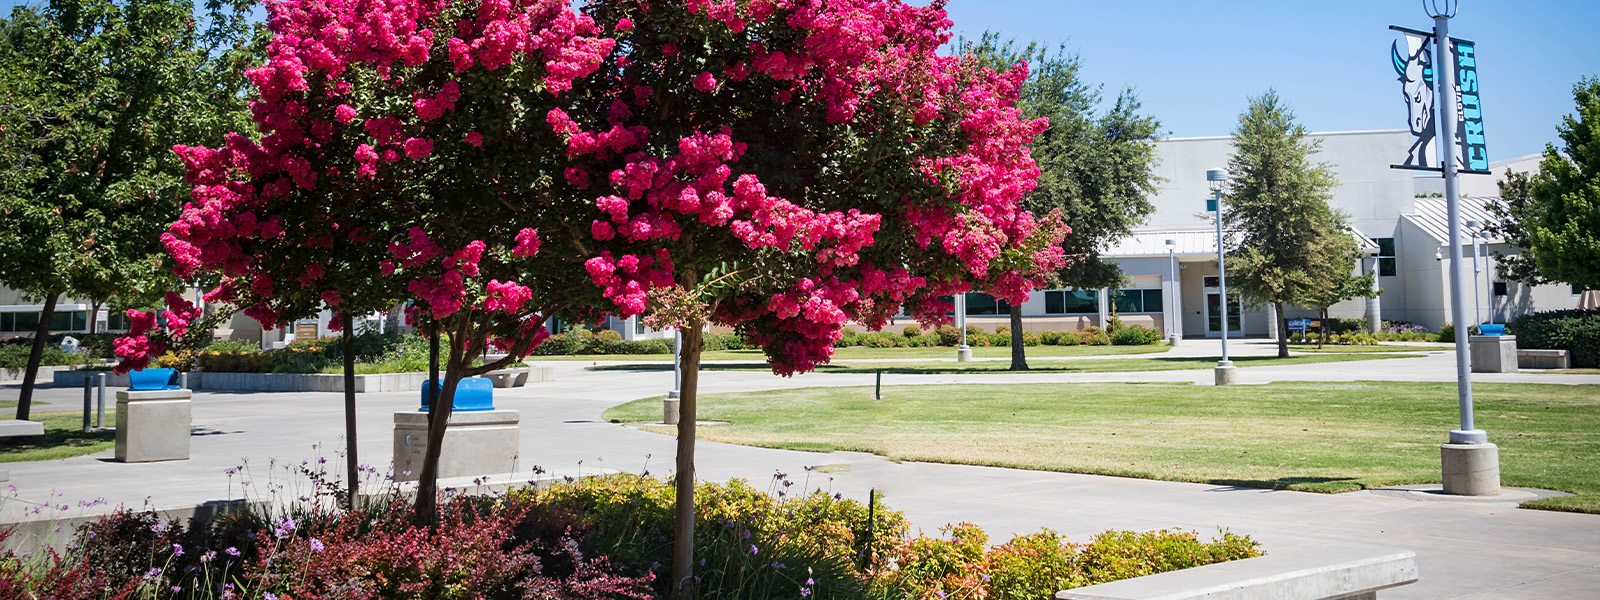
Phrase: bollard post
x=183 y=380
x=100 y=415
x=877 y=388
x=872 y=522
x=88 y=399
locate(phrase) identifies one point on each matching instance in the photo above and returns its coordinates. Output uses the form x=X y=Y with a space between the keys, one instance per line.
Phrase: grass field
x=63 y=438
x=1108 y=365
x=876 y=353
x=1321 y=437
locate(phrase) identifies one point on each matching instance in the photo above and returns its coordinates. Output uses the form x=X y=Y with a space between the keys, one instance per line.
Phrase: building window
x=1386 y=267
x=1211 y=281
x=984 y=304
x=1072 y=302
x=117 y=320
x=1500 y=288
x=1131 y=301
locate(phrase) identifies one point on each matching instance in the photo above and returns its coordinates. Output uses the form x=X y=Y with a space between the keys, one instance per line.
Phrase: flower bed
x=604 y=537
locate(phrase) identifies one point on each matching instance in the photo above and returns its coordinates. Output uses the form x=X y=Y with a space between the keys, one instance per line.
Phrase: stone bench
x=19 y=428
x=1543 y=359
x=1289 y=574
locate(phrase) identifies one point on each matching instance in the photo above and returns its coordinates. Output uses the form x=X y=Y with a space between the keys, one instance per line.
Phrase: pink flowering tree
x=785 y=167
x=779 y=166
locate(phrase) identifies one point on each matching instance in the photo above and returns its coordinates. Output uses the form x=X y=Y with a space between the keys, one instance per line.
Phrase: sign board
x=1299 y=324
x=1411 y=55
x=305 y=331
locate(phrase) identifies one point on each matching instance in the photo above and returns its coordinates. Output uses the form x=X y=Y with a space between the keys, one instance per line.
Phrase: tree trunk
x=1283 y=331
x=427 y=510
x=41 y=336
x=352 y=466
x=683 y=514
x=1322 y=329
x=1019 y=354
x=94 y=314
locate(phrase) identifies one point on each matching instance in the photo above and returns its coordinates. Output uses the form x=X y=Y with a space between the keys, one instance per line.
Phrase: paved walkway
x=1464 y=551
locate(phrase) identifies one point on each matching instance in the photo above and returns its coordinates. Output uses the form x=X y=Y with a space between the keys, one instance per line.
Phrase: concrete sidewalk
x=1464 y=550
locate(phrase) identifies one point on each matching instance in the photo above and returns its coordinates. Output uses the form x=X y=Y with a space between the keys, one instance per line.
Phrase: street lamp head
x=1440 y=8
x=1171 y=242
x=1472 y=224
x=1216 y=177
x=1438 y=255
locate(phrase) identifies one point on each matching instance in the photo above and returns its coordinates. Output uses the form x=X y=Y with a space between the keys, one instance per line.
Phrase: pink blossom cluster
x=626 y=280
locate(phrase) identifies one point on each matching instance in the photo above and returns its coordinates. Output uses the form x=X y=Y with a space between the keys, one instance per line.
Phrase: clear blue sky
x=1196 y=63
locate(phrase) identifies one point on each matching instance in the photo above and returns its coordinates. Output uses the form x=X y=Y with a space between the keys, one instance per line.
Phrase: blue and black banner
x=1411 y=54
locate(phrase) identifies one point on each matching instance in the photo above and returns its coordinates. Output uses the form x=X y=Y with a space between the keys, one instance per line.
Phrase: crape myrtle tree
x=1554 y=214
x=93 y=94
x=1096 y=168
x=780 y=167
x=1287 y=245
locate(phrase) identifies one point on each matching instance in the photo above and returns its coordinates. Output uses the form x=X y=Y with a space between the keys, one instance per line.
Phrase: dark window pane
x=1128 y=301
x=1211 y=281
x=1386 y=267
x=60 y=321
x=8 y=322
x=983 y=304
x=80 y=320
x=1385 y=246
x=1055 y=302
x=1152 y=301
x=27 y=321
x=1500 y=288
x=1082 y=302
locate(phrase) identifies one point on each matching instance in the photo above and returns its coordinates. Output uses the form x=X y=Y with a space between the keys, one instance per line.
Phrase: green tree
x=1342 y=288
x=1095 y=167
x=1555 y=213
x=1287 y=246
x=95 y=93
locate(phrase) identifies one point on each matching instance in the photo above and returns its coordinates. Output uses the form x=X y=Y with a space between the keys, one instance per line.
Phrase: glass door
x=1214 y=313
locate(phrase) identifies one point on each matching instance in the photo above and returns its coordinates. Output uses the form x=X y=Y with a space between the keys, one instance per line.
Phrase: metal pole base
x=1468 y=436
x=963 y=354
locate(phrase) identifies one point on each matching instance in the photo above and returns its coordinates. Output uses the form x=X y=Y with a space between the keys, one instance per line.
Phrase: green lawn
x=1317 y=436
x=1108 y=365
x=875 y=353
x=63 y=438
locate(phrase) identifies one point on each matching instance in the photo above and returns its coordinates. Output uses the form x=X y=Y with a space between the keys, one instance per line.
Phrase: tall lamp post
x=1174 y=331
x=1470 y=464
x=1217 y=178
x=963 y=353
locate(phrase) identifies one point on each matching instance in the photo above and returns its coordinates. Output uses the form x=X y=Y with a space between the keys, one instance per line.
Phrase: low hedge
x=1576 y=331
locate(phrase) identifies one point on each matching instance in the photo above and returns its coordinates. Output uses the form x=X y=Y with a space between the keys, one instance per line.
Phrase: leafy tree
x=1096 y=168
x=1555 y=213
x=781 y=168
x=1287 y=246
x=94 y=93
x=1341 y=288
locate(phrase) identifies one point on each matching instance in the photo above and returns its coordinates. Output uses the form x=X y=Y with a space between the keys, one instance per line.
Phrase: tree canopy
x=1285 y=245
x=1554 y=214
x=93 y=94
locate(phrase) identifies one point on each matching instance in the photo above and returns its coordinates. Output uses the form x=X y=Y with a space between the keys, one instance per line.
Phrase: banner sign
x=1298 y=324
x=1411 y=54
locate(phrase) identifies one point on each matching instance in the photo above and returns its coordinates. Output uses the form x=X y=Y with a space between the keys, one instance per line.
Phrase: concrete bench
x=1543 y=359
x=1290 y=574
x=16 y=428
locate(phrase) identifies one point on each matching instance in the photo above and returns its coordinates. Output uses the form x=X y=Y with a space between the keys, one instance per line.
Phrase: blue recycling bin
x=152 y=379
x=472 y=394
x=1492 y=329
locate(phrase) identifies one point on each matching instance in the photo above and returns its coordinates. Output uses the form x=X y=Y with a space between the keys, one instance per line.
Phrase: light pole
x=1174 y=331
x=1477 y=267
x=1470 y=464
x=963 y=353
x=1217 y=178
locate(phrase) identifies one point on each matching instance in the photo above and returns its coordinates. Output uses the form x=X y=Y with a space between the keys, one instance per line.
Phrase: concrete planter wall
x=67 y=377
x=45 y=374
x=297 y=382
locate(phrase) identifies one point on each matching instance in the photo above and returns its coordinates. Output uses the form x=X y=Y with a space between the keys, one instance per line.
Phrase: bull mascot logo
x=1414 y=65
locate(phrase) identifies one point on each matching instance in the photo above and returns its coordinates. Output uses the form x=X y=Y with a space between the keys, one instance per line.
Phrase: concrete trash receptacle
x=1493 y=353
x=153 y=425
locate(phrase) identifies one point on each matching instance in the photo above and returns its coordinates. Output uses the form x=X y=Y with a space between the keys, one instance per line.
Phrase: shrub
x=15 y=356
x=1447 y=333
x=655 y=346
x=1092 y=329
x=237 y=346
x=880 y=340
x=911 y=331
x=1135 y=335
x=1070 y=338
x=1050 y=338
x=848 y=331
x=998 y=339
x=949 y=335
x=1030 y=338
x=1576 y=331
x=607 y=335
x=1098 y=338
x=1345 y=325
x=1002 y=329
x=1115 y=555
